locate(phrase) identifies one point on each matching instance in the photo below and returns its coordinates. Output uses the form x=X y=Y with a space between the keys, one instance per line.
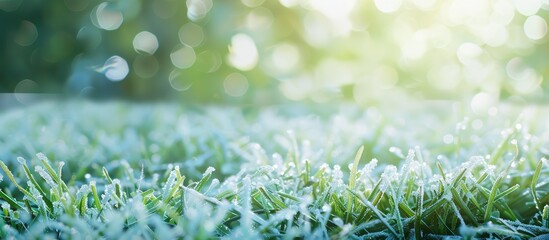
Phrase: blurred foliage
x=264 y=51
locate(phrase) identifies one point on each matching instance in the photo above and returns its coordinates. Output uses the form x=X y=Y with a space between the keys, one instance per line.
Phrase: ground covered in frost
x=162 y=171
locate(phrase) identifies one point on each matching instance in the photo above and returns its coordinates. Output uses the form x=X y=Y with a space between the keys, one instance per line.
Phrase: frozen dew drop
x=145 y=42
x=183 y=57
x=208 y=171
x=235 y=85
x=115 y=68
x=535 y=27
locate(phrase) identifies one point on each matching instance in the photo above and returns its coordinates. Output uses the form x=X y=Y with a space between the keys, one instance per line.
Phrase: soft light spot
x=477 y=124
x=107 y=17
x=333 y=73
x=528 y=7
x=448 y=139
x=524 y=79
x=535 y=27
x=468 y=53
x=197 y=9
x=446 y=77
x=495 y=35
x=179 y=81
x=90 y=36
x=388 y=6
x=285 y=57
x=191 y=34
x=297 y=88
x=27 y=34
x=502 y=12
x=115 y=68
x=208 y=61
x=145 y=42
x=316 y=32
x=23 y=89
x=26 y=86
x=183 y=57
x=243 y=52
x=518 y=70
x=424 y=4
x=235 y=85
x=334 y=9
x=482 y=102
x=259 y=19
x=289 y=3
x=252 y=3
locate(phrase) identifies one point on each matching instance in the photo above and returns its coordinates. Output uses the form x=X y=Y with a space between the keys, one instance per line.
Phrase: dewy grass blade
x=491 y=198
x=378 y=214
x=422 y=197
x=534 y=182
x=352 y=175
x=12 y=202
x=419 y=214
x=12 y=179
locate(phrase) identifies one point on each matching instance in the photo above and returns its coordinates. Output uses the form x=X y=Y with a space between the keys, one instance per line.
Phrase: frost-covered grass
x=115 y=171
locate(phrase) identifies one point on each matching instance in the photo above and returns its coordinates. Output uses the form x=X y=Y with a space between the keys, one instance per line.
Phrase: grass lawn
x=76 y=170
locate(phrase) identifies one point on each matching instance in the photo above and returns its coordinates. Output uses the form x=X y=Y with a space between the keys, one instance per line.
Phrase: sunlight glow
x=243 y=52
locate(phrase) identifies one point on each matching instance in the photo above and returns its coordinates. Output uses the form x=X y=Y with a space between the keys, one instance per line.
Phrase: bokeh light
x=115 y=68
x=317 y=50
x=145 y=42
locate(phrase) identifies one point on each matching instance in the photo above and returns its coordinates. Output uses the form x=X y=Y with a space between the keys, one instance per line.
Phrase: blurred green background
x=267 y=51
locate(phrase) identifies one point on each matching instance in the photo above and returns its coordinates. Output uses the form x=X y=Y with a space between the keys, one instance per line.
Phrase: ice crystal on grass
x=271 y=184
x=46 y=176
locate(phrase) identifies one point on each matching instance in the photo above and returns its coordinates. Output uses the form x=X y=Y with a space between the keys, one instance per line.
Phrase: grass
x=115 y=170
